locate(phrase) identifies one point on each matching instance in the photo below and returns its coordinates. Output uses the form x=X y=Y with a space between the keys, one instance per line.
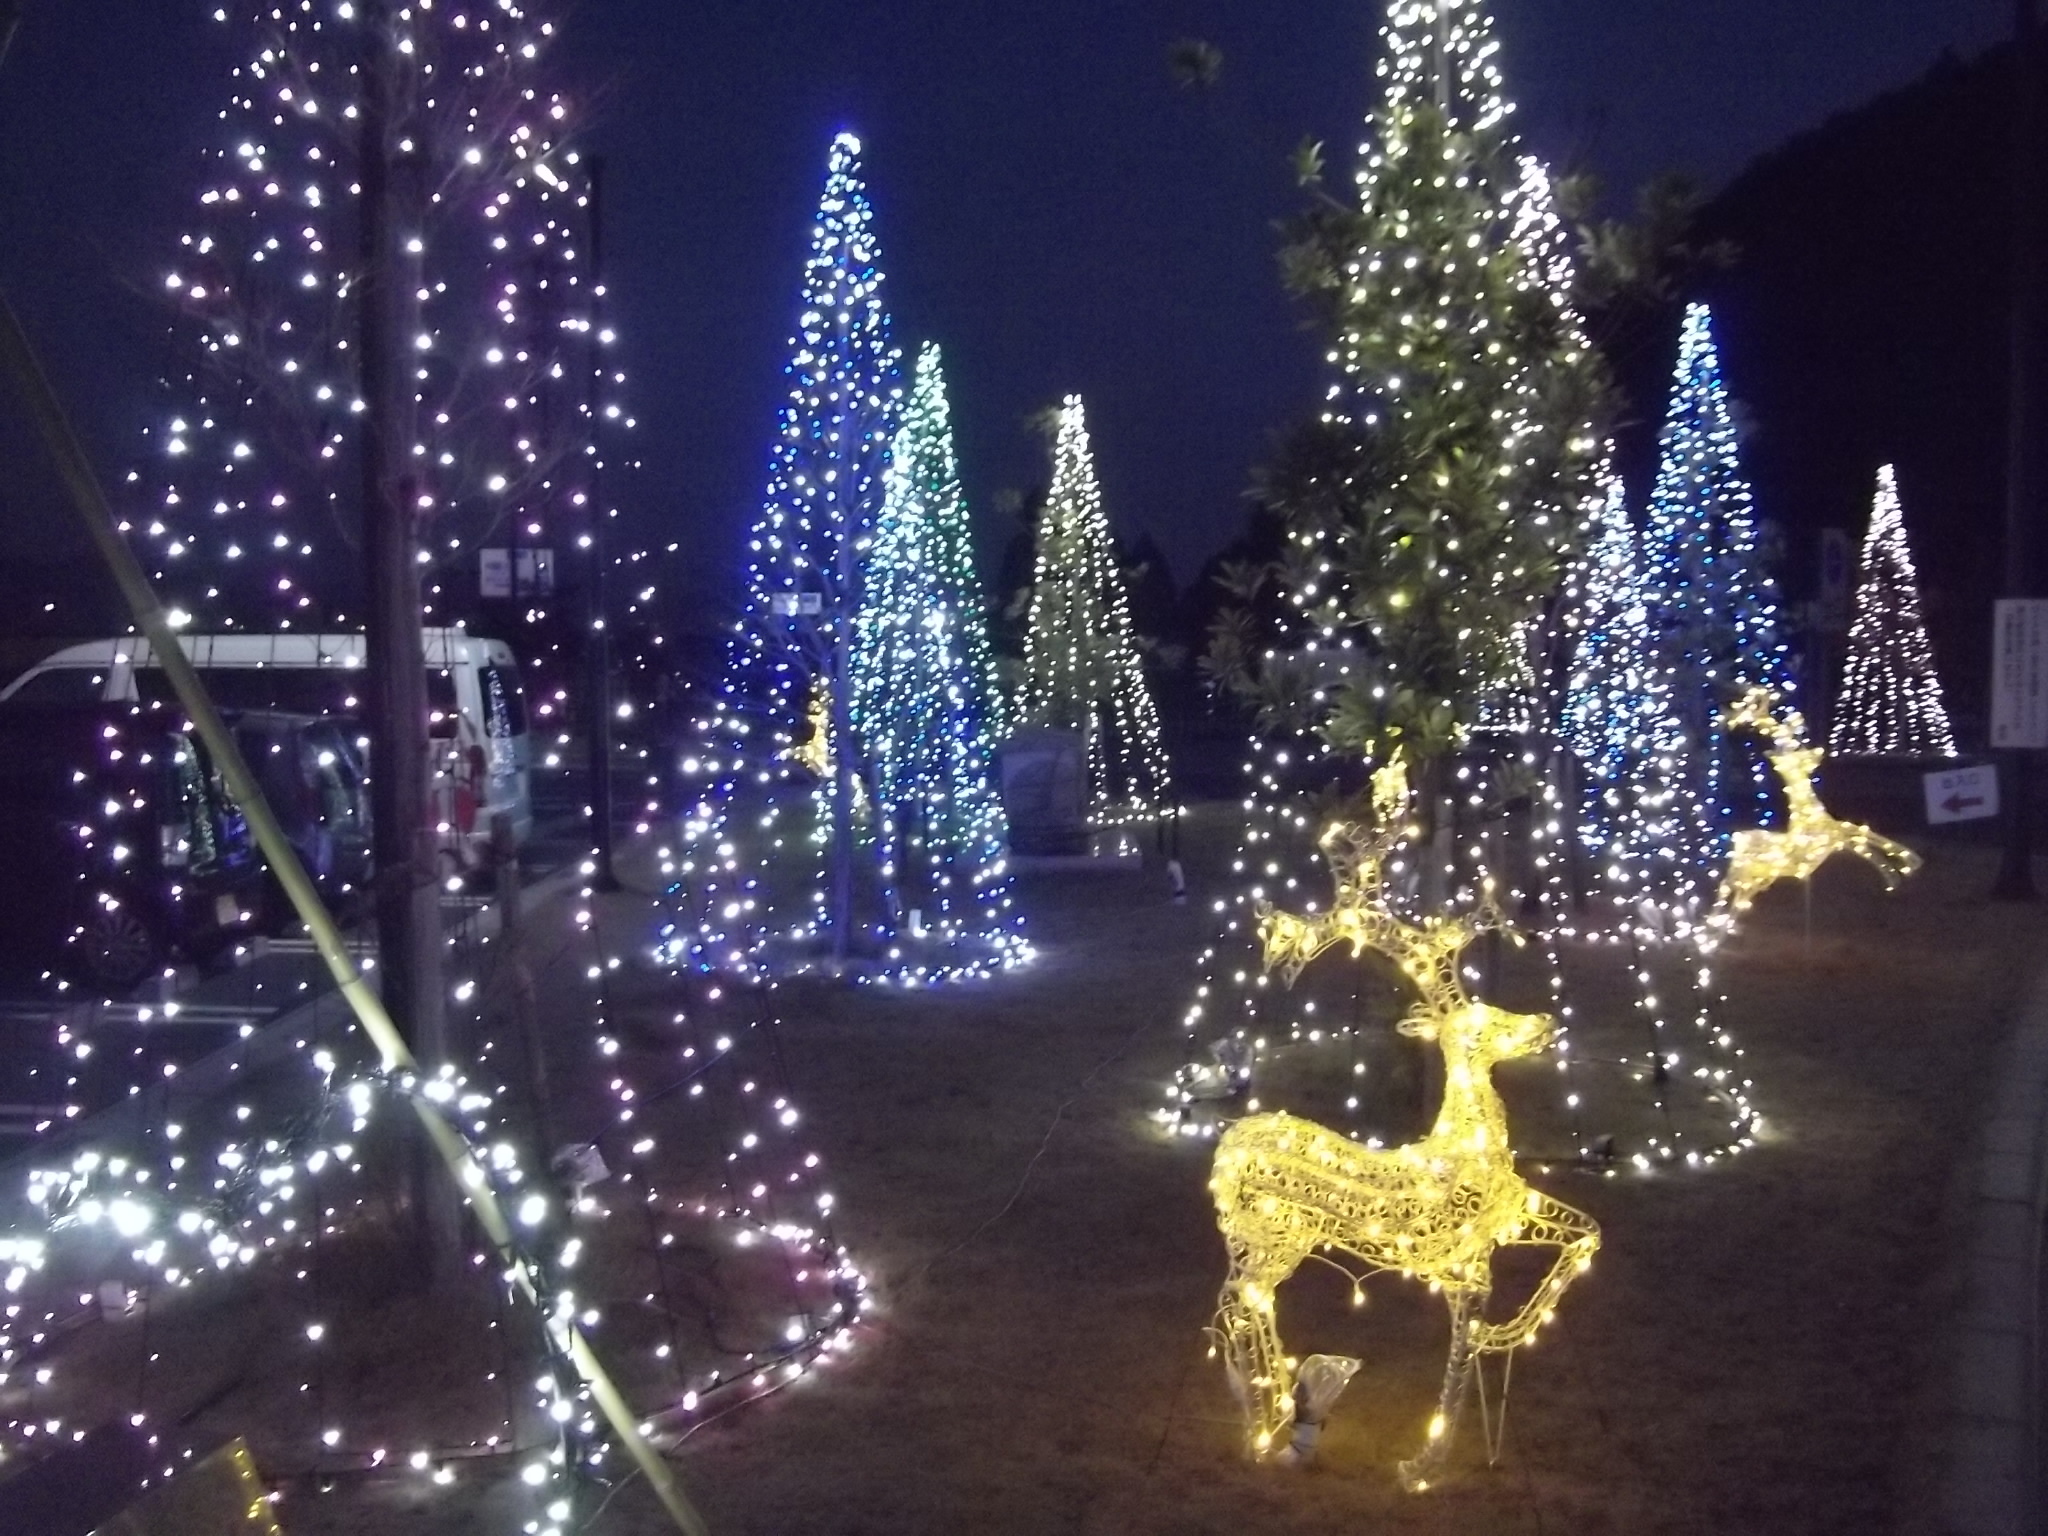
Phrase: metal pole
x=597 y=639
x=840 y=725
x=2023 y=427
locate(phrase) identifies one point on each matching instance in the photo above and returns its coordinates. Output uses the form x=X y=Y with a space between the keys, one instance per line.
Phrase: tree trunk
x=408 y=907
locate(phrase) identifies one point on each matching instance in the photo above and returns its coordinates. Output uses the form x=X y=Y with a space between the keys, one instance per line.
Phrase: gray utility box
x=1045 y=792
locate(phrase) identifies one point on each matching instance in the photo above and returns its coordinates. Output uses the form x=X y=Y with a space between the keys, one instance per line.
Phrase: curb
x=1989 y=1467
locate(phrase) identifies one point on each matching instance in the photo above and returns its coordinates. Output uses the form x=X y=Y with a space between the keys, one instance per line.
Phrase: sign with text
x=2019 y=672
x=525 y=572
x=494 y=573
x=1961 y=794
x=534 y=572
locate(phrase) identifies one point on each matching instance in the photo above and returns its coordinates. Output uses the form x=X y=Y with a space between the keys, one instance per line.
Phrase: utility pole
x=2023 y=425
x=839 y=726
x=597 y=637
x=408 y=905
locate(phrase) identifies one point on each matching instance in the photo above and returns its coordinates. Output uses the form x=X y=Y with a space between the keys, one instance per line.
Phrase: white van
x=482 y=758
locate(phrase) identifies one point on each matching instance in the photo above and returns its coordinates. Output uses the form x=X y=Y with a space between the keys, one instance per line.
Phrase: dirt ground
x=1747 y=1354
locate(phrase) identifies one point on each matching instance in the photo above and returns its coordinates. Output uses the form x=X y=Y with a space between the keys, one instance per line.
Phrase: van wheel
x=117 y=948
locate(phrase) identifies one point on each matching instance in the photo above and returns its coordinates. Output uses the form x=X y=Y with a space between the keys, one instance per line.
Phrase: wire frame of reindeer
x=1760 y=857
x=1434 y=1210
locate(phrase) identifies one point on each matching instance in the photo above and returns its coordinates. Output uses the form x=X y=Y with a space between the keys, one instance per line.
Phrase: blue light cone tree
x=771 y=846
x=1082 y=670
x=1635 y=813
x=924 y=697
x=1713 y=605
x=1890 y=704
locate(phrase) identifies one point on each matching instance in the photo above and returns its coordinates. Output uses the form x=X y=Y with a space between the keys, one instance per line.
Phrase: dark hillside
x=1865 y=321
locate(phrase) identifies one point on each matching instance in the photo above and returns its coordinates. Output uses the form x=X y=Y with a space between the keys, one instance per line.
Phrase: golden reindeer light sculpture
x=1434 y=1210
x=1760 y=857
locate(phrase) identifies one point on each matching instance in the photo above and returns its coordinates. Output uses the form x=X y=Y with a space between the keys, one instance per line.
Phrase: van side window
x=299 y=690
x=191 y=806
x=62 y=686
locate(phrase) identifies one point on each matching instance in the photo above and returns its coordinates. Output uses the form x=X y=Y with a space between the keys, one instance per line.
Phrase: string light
x=1760 y=857
x=1081 y=666
x=1890 y=704
x=1712 y=603
x=1433 y=1210
x=501 y=407
x=1639 y=815
x=791 y=645
x=924 y=687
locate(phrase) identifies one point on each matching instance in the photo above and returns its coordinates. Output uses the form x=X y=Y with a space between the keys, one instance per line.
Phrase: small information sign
x=1961 y=794
x=2019 y=673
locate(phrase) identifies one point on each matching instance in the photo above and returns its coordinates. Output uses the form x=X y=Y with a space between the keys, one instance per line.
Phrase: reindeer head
x=1758 y=710
x=1481 y=1033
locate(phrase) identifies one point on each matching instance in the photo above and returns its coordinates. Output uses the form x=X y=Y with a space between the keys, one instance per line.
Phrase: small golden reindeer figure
x=1426 y=952
x=1760 y=857
x=1434 y=1210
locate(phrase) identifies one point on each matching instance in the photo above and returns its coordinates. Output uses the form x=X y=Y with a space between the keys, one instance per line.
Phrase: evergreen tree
x=1712 y=603
x=924 y=688
x=778 y=867
x=1890 y=704
x=1429 y=509
x=1082 y=671
x=1433 y=503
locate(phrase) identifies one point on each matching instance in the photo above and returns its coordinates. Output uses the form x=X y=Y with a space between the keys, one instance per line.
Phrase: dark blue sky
x=1051 y=208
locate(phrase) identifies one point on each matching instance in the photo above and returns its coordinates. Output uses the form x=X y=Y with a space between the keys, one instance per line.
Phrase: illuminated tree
x=1712 y=603
x=248 y=512
x=1890 y=704
x=1432 y=504
x=1429 y=509
x=776 y=870
x=1635 y=813
x=924 y=687
x=1082 y=671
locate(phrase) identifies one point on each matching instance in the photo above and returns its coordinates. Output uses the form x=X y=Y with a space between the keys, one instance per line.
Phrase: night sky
x=1052 y=209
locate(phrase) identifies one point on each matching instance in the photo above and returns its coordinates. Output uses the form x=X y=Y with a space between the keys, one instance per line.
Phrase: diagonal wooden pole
x=19 y=359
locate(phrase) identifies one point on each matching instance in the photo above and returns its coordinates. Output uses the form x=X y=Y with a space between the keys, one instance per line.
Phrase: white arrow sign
x=1961 y=794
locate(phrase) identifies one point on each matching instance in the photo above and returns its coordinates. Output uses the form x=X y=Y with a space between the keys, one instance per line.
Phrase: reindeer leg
x=1260 y=1374
x=1426 y=1467
x=1576 y=1236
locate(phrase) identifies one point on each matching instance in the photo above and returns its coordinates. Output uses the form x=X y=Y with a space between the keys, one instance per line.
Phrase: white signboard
x=494 y=573
x=535 y=570
x=2019 y=672
x=1961 y=794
